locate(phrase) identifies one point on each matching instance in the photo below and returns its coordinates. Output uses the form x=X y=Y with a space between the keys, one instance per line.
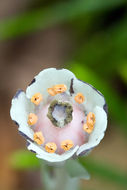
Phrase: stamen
x=60 y=88
x=38 y=138
x=89 y=125
x=36 y=98
x=32 y=119
x=90 y=119
x=67 y=145
x=87 y=128
x=50 y=147
x=56 y=89
x=79 y=98
x=51 y=91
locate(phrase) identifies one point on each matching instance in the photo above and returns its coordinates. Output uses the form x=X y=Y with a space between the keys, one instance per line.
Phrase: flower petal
x=92 y=95
x=20 y=109
x=98 y=132
x=51 y=157
x=47 y=78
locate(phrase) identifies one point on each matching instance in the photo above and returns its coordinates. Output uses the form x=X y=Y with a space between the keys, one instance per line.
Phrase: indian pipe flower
x=60 y=116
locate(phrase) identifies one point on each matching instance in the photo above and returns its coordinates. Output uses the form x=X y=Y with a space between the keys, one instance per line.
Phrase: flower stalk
x=57 y=178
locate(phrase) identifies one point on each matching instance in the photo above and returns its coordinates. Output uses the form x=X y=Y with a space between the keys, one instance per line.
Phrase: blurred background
x=89 y=37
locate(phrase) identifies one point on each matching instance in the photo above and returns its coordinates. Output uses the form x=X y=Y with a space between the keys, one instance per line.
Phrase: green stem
x=56 y=178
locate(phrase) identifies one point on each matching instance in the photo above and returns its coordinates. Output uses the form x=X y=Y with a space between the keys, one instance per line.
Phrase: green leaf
x=76 y=170
x=104 y=171
x=59 y=13
x=23 y=159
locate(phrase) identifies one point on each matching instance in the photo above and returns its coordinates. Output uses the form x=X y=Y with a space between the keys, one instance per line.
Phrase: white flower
x=60 y=116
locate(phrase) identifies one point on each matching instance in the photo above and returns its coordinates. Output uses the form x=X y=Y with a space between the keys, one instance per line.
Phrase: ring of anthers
x=67 y=144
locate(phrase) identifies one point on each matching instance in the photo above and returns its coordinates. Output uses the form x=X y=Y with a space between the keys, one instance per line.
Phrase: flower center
x=60 y=113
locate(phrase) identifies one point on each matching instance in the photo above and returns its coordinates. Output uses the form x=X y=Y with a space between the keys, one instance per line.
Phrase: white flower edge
x=46 y=79
x=40 y=153
x=20 y=108
x=92 y=96
x=98 y=133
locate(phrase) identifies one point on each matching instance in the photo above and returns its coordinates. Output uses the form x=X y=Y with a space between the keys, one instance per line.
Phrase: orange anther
x=90 y=119
x=79 y=98
x=56 y=89
x=51 y=91
x=38 y=138
x=60 y=88
x=89 y=125
x=36 y=98
x=32 y=119
x=67 y=145
x=87 y=128
x=50 y=147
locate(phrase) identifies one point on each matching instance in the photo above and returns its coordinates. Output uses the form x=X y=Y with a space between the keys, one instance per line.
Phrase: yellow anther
x=87 y=128
x=67 y=145
x=38 y=138
x=51 y=91
x=90 y=119
x=50 y=147
x=60 y=88
x=89 y=125
x=36 y=98
x=79 y=98
x=32 y=119
x=56 y=89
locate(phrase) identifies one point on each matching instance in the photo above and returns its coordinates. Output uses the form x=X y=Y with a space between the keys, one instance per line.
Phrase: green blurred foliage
x=58 y=13
x=105 y=171
x=122 y=69
x=22 y=159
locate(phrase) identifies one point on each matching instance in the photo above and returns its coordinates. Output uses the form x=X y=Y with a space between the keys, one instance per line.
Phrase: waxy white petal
x=20 y=109
x=51 y=157
x=48 y=78
x=92 y=96
x=99 y=129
